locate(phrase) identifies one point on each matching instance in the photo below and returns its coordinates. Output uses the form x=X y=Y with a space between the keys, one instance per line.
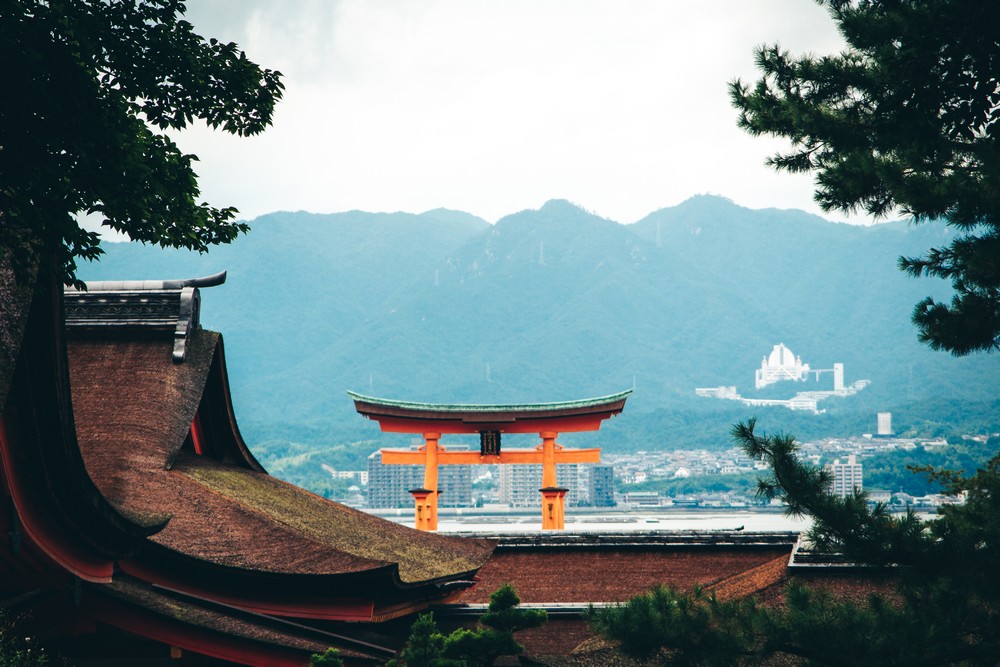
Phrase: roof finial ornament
x=156 y=305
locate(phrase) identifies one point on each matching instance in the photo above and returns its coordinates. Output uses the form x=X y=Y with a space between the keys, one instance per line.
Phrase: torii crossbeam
x=490 y=421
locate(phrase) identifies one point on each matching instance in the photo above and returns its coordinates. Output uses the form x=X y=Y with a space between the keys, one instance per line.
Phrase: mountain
x=558 y=303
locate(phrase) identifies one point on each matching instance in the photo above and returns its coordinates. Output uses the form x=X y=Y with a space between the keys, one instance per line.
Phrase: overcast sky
x=493 y=107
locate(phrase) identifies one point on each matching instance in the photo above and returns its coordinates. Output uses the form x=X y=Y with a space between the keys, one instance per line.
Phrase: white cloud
x=492 y=107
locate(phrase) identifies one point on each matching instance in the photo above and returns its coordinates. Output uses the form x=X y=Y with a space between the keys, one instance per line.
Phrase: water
x=616 y=522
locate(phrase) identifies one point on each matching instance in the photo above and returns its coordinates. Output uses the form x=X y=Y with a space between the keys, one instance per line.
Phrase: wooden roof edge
x=553 y=609
x=147 y=285
x=173 y=606
x=804 y=558
x=219 y=372
x=58 y=450
x=159 y=564
x=173 y=306
x=285 y=623
x=517 y=408
x=664 y=538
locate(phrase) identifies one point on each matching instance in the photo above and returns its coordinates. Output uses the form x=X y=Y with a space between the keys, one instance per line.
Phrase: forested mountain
x=559 y=303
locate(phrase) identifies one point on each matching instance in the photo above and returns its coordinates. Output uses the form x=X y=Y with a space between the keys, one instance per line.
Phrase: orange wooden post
x=553 y=496
x=426 y=499
x=548 y=448
x=424 y=509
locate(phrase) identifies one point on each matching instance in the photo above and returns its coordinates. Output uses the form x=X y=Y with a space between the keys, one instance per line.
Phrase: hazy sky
x=493 y=107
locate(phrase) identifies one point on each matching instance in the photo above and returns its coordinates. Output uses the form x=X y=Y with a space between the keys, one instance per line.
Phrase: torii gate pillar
x=553 y=496
x=425 y=500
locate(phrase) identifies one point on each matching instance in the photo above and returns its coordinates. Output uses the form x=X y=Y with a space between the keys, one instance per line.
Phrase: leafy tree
x=90 y=86
x=495 y=635
x=944 y=607
x=482 y=645
x=905 y=119
x=424 y=646
x=328 y=658
x=680 y=628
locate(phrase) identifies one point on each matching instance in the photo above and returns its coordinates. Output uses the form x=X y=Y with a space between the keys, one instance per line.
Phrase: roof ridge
x=748 y=582
x=486 y=407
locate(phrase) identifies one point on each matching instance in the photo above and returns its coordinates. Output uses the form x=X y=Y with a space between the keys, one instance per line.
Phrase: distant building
x=879 y=496
x=847 y=477
x=601 y=485
x=728 y=392
x=357 y=476
x=389 y=485
x=519 y=484
x=642 y=499
x=885 y=423
x=780 y=365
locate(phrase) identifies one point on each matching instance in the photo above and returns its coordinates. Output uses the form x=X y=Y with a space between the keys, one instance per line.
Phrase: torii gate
x=433 y=419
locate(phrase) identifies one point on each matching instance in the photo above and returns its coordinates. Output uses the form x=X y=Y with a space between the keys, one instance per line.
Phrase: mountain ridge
x=558 y=303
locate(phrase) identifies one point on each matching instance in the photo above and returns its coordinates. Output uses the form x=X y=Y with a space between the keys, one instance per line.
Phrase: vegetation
x=893 y=471
x=328 y=658
x=16 y=650
x=302 y=464
x=479 y=646
x=945 y=608
x=91 y=86
x=906 y=119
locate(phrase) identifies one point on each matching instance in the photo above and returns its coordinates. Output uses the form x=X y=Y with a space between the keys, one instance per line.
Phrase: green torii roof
x=500 y=407
x=413 y=417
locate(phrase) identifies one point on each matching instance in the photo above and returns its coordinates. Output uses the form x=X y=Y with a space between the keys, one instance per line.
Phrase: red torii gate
x=433 y=419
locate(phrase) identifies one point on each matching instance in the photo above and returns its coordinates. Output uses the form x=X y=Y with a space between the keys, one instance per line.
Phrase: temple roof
x=223 y=508
x=409 y=416
x=613 y=567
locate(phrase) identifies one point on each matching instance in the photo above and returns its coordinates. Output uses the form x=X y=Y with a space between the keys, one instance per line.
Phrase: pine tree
x=944 y=608
x=907 y=120
x=469 y=647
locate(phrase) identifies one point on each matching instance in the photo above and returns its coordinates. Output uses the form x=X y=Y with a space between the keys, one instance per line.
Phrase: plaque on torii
x=432 y=420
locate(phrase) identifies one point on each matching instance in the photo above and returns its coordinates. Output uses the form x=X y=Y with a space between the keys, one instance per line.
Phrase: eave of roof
x=452 y=409
x=60 y=508
x=216 y=629
x=410 y=417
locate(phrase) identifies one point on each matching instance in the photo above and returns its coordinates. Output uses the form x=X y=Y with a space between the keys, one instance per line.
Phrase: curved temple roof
x=224 y=509
x=412 y=417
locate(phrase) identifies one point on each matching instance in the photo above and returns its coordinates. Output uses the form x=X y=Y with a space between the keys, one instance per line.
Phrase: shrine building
x=138 y=526
x=491 y=422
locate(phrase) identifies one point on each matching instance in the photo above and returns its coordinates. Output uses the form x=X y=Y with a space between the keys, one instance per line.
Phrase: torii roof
x=412 y=417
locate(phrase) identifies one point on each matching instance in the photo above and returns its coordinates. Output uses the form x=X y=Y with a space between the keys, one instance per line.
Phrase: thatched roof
x=134 y=408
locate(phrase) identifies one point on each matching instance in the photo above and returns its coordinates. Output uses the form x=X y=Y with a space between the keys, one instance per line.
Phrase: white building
x=718 y=392
x=838 y=377
x=780 y=365
x=885 y=423
x=846 y=476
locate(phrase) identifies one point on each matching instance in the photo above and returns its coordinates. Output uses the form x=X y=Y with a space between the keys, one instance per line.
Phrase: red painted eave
x=50 y=540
